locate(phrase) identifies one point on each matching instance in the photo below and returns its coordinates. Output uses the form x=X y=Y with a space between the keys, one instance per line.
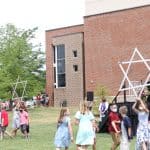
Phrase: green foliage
x=95 y=107
x=101 y=91
x=20 y=57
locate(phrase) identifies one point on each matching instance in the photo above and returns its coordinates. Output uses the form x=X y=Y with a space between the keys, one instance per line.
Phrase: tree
x=101 y=91
x=20 y=57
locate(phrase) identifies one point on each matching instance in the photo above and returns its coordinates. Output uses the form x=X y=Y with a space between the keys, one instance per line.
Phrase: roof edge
x=125 y=9
x=64 y=27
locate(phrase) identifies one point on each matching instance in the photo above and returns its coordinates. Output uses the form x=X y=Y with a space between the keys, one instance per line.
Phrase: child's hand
x=117 y=131
x=138 y=99
x=72 y=140
x=117 y=121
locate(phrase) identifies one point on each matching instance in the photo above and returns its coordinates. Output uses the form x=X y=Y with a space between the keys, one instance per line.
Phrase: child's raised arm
x=134 y=107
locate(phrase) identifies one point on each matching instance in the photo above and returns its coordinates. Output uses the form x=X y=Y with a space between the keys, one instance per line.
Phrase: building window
x=75 y=53
x=59 y=66
x=75 y=67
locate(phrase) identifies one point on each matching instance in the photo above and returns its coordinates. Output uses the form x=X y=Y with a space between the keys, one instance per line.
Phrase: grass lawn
x=42 y=131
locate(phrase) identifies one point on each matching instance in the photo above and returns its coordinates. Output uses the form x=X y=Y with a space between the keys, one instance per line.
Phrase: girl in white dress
x=142 y=135
x=16 y=119
x=85 y=134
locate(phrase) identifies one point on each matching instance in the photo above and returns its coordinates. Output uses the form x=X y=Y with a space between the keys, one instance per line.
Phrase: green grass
x=42 y=131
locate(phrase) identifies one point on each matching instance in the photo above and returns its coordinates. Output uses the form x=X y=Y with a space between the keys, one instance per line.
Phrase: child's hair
x=111 y=106
x=139 y=103
x=83 y=107
x=3 y=107
x=123 y=110
x=22 y=106
x=62 y=113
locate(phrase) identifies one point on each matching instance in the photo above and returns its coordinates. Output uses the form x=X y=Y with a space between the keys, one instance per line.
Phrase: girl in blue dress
x=142 y=130
x=85 y=134
x=64 y=134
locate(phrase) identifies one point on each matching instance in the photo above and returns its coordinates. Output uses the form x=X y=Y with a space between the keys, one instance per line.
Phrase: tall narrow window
x=59 y=66
x=54 y=55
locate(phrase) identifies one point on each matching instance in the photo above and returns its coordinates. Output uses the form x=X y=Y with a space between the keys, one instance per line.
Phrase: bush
x=96 y=106
x=101 y=91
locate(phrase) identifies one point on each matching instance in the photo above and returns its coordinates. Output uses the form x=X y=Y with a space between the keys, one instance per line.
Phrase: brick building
x=80 y=57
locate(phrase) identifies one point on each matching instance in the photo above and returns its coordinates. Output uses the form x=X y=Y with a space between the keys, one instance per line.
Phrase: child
x=4 y=123
x=96 y=129
x=113 y=126
x=142 y=130
x=148 y=144
x=85 y=134
x=64 y=133
x=0 y=121
x=16 y=119
x=24 y=122
x=125 y=129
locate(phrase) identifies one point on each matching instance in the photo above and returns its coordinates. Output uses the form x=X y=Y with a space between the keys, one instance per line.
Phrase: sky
x=44 y=14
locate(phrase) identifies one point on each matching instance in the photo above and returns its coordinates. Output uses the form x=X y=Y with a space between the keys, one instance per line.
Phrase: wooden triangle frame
x=14 y=86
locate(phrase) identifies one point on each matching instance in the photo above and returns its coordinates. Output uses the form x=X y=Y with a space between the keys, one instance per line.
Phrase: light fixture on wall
x=91 y=81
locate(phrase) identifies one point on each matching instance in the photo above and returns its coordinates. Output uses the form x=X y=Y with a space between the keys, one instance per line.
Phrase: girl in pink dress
x=24 y=122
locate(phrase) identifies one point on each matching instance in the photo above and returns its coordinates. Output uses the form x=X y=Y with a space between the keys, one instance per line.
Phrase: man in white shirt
x=103 y=108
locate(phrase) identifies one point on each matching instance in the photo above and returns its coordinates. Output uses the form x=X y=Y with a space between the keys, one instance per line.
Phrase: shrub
x=99 y=93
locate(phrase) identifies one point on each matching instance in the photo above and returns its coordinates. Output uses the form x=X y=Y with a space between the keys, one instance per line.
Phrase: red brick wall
x=50 y=34
x=110 y=38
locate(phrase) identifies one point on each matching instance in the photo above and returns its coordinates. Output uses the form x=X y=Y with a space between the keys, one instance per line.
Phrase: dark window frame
x=75 y=53
x=59 y=66
x=75 y=68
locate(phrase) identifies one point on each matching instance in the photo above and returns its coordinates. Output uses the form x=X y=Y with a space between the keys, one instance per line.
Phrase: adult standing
x=38 y=99
x=47 y=100
x=103 y=109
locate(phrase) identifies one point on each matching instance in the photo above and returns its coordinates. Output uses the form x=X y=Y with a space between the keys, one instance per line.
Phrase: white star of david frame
x=14 y=86
x=125 y=73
